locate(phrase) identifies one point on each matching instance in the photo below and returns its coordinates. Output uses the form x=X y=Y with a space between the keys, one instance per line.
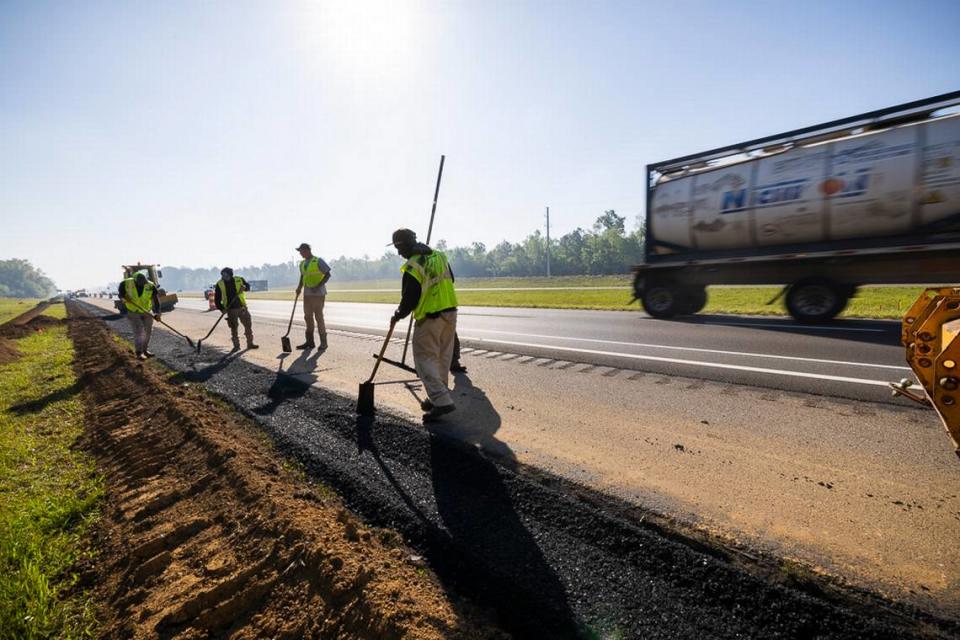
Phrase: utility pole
x=548 y=242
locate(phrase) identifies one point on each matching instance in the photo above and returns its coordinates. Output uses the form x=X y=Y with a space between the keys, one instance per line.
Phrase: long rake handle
x=433 y=212
x=383 y=349
x=142 y=310
x=223 y=313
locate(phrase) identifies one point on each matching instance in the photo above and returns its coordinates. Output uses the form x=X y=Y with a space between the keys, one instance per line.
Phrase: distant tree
x=20 y=279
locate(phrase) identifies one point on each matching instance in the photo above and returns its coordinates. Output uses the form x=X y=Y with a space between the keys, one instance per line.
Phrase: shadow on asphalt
x=504 y=565
x=476 y=420
x=476 y=510
x=292 y=383
x=885 y=332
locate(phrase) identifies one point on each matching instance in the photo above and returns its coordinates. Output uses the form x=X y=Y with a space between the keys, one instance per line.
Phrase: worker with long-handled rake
x=140 y=297
x=230 y=299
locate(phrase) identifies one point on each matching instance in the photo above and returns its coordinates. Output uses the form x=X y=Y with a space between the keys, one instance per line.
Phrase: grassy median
x=49 y=490
x=611 y=293
x=12 y=307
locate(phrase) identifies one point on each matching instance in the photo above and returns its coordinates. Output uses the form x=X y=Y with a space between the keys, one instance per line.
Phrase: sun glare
x=364 y=36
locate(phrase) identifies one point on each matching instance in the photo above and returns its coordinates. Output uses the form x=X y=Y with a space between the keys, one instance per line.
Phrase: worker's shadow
x=292 y=383
x=476 y=508
x=476 y=421
x=478 y=543
x=207 y=371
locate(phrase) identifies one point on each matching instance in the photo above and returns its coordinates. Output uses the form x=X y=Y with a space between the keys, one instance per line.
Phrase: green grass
x=48 y=492
x=870 y=302
x=12 y=307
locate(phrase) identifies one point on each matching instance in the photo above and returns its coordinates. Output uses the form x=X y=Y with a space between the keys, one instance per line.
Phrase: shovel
x=365 y=396
x=285 y=339
x=189 y=341
x=209 y=333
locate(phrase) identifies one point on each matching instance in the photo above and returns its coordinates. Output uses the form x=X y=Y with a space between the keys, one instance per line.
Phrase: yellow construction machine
x=931 y=335
x=153 y=273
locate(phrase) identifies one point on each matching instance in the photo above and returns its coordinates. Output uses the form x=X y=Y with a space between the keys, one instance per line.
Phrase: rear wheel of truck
x=817 y=300
x=663 y=300
x=694 y=300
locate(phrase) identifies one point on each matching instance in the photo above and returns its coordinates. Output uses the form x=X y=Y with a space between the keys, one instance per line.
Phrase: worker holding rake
x=143 y=307
x=230 y=299
x=427 y=292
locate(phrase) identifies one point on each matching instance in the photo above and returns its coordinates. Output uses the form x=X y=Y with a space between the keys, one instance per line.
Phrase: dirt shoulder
x=206 y=532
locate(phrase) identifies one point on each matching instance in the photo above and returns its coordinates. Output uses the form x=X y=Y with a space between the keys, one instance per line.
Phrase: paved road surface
x=806 y=467
x=852 y=359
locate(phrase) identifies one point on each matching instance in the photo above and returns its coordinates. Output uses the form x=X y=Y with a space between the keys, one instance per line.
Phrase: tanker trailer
x=820 y=211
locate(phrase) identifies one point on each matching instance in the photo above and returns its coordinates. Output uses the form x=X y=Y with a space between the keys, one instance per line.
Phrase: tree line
x=606 y=248
x=20 y=279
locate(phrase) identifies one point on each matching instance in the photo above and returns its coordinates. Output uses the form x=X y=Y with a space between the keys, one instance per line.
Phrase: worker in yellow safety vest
x=314 y=274
x=427 y=292
x=230 y=299
x=142 y=304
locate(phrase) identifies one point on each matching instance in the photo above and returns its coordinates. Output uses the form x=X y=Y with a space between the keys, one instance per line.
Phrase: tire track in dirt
x=554 y=560
x=205 y=534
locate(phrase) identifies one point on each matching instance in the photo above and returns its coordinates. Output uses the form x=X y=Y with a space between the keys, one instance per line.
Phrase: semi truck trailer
x=820 y=211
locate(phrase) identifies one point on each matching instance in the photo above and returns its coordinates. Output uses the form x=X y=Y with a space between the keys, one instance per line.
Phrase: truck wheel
x=694 y=300
x=663 y=300
x=816 y=300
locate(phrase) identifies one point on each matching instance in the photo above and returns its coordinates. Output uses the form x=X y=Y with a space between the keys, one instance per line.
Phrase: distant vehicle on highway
x=869 y=199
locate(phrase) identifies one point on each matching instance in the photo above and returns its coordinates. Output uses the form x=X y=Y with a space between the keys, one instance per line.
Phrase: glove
x=396 y=317
x=156 y=317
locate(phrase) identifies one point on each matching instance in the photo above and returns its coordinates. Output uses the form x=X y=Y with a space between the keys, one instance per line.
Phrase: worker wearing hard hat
x=428 y=293
x=142 y=302
x=229 y=297
x=314 y=273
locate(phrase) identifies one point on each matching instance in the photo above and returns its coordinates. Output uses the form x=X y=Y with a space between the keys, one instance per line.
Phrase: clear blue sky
x=225 y=133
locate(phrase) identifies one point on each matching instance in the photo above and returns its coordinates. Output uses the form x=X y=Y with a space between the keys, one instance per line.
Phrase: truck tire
x=663 y=300
x=694 y=300
x=817 y=300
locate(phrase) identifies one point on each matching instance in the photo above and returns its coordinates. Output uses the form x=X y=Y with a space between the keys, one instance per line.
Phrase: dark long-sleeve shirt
x=155 y=298
x=410 y=289
x=232 y=298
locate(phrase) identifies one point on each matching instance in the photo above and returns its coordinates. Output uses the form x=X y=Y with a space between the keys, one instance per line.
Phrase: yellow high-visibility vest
x=238 y=283
x=436 y=283
x=138 y=303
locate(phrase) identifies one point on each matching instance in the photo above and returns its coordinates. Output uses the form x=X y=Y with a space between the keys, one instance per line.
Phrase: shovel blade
x=285 y=345
x=365 y=399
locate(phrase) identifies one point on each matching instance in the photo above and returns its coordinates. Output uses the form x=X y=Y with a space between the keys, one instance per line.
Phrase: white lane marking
x=635 y=356
x=786 y=326
x=701 y=350
x=713 y=365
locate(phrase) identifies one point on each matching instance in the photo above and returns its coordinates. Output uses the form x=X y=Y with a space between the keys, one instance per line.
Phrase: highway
x=774 y=438
x=850 y=359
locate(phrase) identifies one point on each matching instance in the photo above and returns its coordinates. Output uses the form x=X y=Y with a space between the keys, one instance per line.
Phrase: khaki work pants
x=235 y=316
x=432 y=353
x=313 y=316
x=142 y=324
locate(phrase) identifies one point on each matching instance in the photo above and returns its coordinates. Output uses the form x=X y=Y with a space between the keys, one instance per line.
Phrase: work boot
x=236 y=344
x=426 y=405
x=251 y=345
x=323 y=341
x=456 y=367
x=306 y=345
x=436 y=413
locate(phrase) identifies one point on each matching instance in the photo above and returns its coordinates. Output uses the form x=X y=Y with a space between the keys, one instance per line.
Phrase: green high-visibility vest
x=310 y=272
x=436 y=283
x=138 y=303
x=238 y=283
